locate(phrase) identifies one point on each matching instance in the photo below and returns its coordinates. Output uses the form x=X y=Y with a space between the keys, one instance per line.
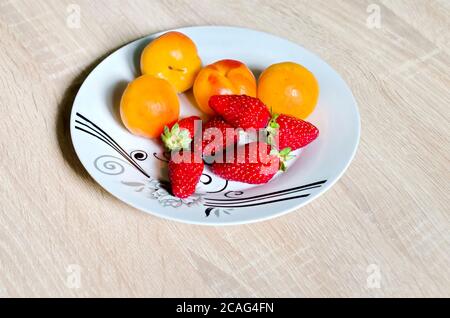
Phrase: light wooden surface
x=386 y=220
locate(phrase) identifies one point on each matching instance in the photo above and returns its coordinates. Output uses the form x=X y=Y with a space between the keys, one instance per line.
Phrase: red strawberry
x=185 y=170
x=180 y=135
x=241 y=110
x=211 y=131
x=290 y=132
x=254 y=163
x=189 y=124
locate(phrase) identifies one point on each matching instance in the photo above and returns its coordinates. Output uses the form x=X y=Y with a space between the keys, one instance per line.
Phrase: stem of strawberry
x=272 y=130
x=284 y=155
x=176 y=138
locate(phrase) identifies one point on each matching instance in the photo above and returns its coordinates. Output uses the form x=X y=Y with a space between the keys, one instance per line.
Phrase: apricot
x=224 y=77
x=147 y=105
x=173 y=56
x=288 y=88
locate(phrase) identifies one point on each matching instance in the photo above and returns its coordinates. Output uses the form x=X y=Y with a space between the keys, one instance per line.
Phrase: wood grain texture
x=391 y=208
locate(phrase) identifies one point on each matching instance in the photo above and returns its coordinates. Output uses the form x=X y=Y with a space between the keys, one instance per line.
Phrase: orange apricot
x=224 y=77
x=147 y=105
x=173 y=56
x=288 y=88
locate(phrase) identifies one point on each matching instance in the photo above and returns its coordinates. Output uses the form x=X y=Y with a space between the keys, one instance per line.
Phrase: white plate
x=127 y=165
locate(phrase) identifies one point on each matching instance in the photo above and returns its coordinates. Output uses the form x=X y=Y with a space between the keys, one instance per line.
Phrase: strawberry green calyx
x=284 y=155
x=272 y=130
x=176 y=138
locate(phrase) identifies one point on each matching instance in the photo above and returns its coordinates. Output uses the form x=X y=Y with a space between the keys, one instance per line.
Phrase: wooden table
x=382 y=230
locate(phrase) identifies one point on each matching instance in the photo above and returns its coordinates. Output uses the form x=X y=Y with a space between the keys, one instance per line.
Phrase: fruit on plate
x=185 y=170
x=173 y=56
x=254 y=163
x=288 y=88
x=181 y=134
x=224 y=77
x=241 y=111
x=215 y=128
x=147 y=105
x=184 y=134
x=287 y=131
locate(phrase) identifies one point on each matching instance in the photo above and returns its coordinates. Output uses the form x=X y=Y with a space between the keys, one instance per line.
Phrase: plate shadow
x=63 y=121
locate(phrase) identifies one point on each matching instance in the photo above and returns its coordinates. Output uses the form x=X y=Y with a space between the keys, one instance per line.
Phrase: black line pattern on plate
x=227 y=202
x=256 y=200
x=217 y=211
x=92 y=129
x=208 y=211
x=165 y=154
x=140 y=155
x=317 y=184
x=223 y=188
x=208 y=181
x=222 y=205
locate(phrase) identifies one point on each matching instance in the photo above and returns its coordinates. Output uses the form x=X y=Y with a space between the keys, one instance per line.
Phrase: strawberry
x=211 y=131
x=286 y=131
x=180 y=135
x=185 y=171
x=254 y=163
x=241 y=110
